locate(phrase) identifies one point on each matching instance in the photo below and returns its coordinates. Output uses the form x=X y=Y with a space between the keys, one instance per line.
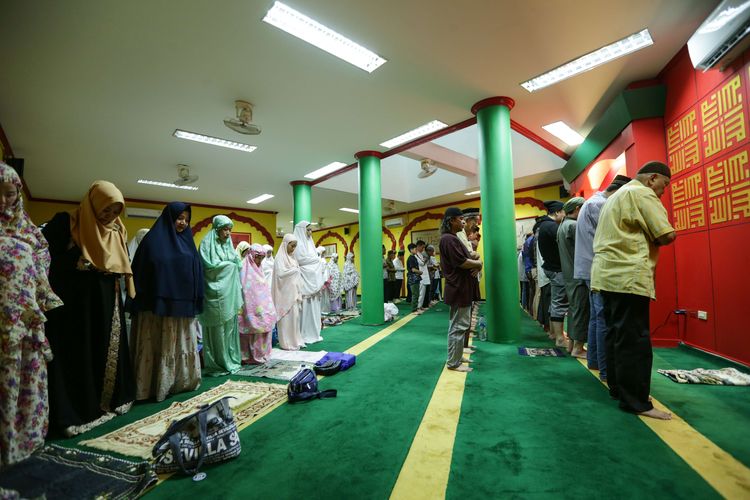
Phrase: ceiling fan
x=183 y=176
x=243 y=122
x=428 y=168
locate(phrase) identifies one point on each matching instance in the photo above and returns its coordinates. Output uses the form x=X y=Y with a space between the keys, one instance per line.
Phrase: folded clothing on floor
x=723 y=376
x=57 y=472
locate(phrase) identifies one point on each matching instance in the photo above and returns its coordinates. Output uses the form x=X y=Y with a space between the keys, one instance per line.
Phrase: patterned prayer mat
x=723 y=376
x=137 y=439
x=55 y=472
x=534 y=352
x=306 y=356
x=278 y=369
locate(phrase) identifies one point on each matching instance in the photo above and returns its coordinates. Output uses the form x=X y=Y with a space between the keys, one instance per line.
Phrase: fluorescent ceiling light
x=629 y=44
x=167 y=185
x=564 y=133
x=331 y=167
x=215 y=141
x=352 y=210
x=471 y=193
x=312 y=223
x=260 y=199
x=425 y=129
x=295 y=23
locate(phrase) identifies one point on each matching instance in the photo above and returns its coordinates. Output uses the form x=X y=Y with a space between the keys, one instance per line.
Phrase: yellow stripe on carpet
x=374 y=339
x=722 y=471
x=427 y=466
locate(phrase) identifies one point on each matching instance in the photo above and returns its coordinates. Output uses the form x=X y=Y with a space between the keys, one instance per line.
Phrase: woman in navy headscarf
x=169 y=294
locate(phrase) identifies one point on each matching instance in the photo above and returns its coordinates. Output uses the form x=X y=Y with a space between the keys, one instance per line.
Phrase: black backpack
x=304 y=387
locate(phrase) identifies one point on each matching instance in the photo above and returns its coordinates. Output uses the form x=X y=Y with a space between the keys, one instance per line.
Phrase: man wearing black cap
x=459 y=270
x=588 y=219
x=632 y=226
x=547 y=243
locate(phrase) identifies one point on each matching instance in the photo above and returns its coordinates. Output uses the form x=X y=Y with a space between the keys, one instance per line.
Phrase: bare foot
x=462 y=368
x=578 y=353
x=466 y=360
x=658 y=414
x=561 y=342
x=469 y=350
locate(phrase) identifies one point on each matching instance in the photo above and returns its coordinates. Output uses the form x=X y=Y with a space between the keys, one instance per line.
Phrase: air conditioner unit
x=395 y=222
x=143 y=213
x=722 y=36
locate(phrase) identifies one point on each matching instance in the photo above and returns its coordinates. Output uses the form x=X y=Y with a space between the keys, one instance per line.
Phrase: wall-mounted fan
x=183 y=176
x=428 y=168
x=389 y=206
x=242 y=123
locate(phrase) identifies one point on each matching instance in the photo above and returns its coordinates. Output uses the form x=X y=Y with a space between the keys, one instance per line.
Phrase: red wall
x=706 y=125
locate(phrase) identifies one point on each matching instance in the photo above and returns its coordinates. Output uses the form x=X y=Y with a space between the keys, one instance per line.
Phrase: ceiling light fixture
x=297 y=24
x=562 y=131
x=352 y=210
x=331 y=167
x=425 y=129
x=215 y=141
x=470 y=193
x=311 y=223
x=260 y=199
x=627 y=45
x=167 y=184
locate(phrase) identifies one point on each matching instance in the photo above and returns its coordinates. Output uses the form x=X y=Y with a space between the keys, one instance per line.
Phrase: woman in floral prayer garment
x=285 y=292
x=258 y=315
x=222 y=300
x=25 y=295
x=169 y=295
x=335 y=284
x=350 y=282
x=90 y=377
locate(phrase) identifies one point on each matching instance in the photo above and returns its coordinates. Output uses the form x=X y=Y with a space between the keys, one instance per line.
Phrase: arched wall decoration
x=334 y=235
x=386 y=232
x=235 y=216
x=417 y=220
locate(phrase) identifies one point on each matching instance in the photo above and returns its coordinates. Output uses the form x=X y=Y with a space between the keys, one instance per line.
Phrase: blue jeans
x=596 y=355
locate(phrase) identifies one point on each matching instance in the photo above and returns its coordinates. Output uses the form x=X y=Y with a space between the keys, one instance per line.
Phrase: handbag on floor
x=304 y=387
x=347 y=360
x=204 y=437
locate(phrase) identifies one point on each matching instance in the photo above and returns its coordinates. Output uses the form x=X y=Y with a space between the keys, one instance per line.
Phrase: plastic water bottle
x=482 y=327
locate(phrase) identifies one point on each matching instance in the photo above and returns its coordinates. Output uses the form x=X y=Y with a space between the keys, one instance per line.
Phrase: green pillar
x=370 y=237
x=302 y=201
x=498 y=219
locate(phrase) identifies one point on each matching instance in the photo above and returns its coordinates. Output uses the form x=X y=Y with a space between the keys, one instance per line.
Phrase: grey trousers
x=458 y=328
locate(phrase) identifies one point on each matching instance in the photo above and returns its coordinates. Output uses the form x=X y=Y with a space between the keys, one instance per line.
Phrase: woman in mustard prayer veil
x=90 y=377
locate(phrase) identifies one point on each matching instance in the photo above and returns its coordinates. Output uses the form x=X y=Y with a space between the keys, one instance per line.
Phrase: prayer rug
x=251 y=399
x=723 y=376
x=278 y=369
x=55 y=472
x=306 y=356
x=534 y=352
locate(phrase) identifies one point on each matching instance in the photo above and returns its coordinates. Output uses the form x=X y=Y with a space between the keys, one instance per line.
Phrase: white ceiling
x=94 y=90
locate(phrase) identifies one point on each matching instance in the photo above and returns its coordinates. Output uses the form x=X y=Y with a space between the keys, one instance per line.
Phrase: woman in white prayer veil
x=133 y=245
x=285 y=295
x=325 y=297
x=311 y=282
x=267 y=265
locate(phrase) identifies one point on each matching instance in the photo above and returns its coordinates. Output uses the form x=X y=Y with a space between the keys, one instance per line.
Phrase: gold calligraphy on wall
x=728 y=189
x=687 y=202
x=723 y=118
x=682 y=143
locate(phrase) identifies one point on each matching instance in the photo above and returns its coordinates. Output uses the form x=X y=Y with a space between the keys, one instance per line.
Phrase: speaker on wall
x=346 y=230
x=564 y=192
x=17 y=164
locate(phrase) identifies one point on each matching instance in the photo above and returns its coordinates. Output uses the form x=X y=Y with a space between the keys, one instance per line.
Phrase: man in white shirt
x=398 y=263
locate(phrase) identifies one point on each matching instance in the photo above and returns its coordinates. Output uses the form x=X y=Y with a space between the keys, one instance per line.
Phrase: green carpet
x=348 y=447
x=545 y=427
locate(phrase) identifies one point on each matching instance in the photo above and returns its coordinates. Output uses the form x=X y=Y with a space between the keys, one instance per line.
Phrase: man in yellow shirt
x=632 y=226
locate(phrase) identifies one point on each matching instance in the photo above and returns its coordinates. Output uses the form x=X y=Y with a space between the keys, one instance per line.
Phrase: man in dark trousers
x=632 y=226
x=547 y=243
x=460 y=272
